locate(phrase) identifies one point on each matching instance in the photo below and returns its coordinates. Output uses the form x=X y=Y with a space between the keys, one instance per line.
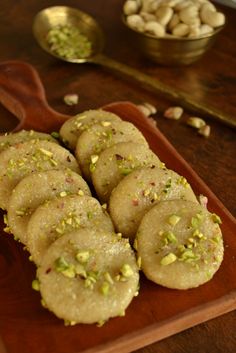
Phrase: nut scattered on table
x=196 y=122
x=147 y=108
x=205 y=131
x=71 y=99
x=173 y=113
x=175 y=18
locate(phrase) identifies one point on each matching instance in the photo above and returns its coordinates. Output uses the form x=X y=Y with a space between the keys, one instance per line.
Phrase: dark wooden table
x=211 y=80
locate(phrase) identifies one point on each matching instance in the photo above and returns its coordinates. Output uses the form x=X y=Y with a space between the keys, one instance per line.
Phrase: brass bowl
x=171 y=50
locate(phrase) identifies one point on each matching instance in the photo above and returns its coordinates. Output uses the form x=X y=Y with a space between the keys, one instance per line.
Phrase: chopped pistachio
x=100 y=323
x=122 y=313
x=139 y=262
x=173 y=219
x=183 y=181
x=5 y=219
x=80 y=193
x=105 y=123
x=168 y=259
x=90 y=215
x=67 y=41
x=82 y=256
x=196 y=220
x=94 y=158
x=35 y=284
x=171 y=237
x=135 y=244
x=46 y=152
x=187 y=254
x=69 y=323
x=108 y=278
x=198 y=234
x=105 y=288
x=63 y=193
x=43 y=303
x=71 y=99
x=55 y=135
x=61 y=265
x=216 y=218
x=126 y=171
x=92 y=167
x=126 y=270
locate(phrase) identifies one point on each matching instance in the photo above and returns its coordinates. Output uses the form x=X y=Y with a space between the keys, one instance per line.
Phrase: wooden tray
x=157 y=312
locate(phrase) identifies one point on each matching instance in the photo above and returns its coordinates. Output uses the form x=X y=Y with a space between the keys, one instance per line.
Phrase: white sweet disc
x=115 y=162
x=24 y=158
x=73 y=127
x=34 y=190
x=88 y=277
x=99 y=137
x=180 y=244
x=141 y=190
x=60 y=216
x=11 y=139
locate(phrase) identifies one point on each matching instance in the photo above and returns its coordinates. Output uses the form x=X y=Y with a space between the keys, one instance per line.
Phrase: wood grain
x=211 y=80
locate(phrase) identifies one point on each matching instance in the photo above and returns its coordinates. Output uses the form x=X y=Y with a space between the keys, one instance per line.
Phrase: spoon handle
x=22 y=93
x=152 y=84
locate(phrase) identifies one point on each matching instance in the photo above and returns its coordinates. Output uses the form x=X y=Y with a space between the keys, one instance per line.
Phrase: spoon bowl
x=52 y=17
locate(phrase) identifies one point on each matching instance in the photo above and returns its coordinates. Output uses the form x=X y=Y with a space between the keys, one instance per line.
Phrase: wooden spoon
x=22 y=93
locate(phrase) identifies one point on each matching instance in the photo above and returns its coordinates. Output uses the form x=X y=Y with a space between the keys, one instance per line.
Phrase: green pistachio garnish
x=108 y=278
x=105 y=288
x=46 y=152
x=55 y=135
x=168 y=259
x=126 y=171
x=173 y=219
x=67 y=41
x=126 y=271
x=89 y=215
x=61 y=265
x=69 y=323
x=216 y=218
x=100 y=323
x=82 y=256
x=35 y=284
x=170 y=237
x=196 y=220
x=139 y=262
x=63 y=194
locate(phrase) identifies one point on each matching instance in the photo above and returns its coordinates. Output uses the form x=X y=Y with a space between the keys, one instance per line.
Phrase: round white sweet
x=60 y=216
x=24 y=158
x=98 y=286
x=141 y=190
x=34 y=190
x=115 y=162
x=180 y=244
x=74 y=126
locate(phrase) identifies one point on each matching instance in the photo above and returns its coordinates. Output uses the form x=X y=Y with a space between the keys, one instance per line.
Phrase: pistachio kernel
x=126 y=270
x=105 y=288
x=82 y=256
x=168 y=259
x=173 y=219
x=216 y=218
x=35 y=284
